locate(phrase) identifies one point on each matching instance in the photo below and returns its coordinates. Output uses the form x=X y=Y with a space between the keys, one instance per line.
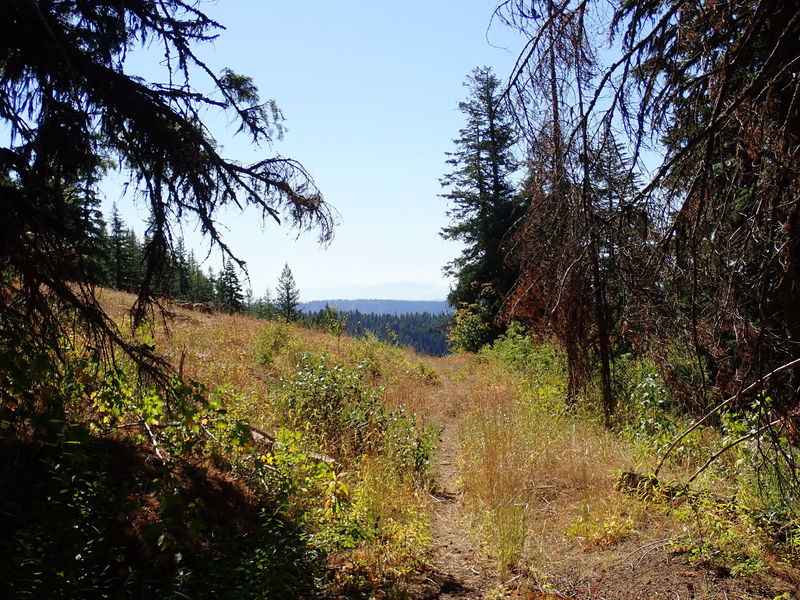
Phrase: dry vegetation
x=522 y=502
x=540 y=481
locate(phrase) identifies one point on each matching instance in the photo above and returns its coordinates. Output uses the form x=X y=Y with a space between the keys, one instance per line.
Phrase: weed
x=344 y=414
x=601 y=530
x=274 y=338
x=424 y=373
x=718 y=532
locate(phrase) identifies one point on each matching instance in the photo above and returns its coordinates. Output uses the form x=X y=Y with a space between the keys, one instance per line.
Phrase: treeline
x=117 y=256
x=424 y=332
x=117 y=259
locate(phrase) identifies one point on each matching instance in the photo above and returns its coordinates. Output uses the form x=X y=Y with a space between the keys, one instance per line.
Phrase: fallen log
x=265 y=439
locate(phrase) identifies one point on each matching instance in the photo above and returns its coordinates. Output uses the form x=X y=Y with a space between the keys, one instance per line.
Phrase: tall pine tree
x=484 y=206
x=287 y=295
x=229 y=289
x=124 y=254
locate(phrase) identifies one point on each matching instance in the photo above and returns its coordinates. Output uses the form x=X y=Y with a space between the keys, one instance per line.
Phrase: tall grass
x=529 y=465
x=539 y=475
x=350 y=461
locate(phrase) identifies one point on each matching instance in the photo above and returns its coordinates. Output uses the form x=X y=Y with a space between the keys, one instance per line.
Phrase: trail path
x=460 y=570
x=637 y=568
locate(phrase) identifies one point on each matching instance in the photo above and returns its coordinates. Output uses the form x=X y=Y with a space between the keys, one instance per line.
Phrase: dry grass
x=243 y=360
x=223 y=352
x=538 y=481
x=530 y=470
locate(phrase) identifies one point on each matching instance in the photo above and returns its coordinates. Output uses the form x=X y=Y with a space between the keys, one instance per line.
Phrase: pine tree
x=69 y=99
x=229 y=289
x=287 y=295
x=93 y=247
x=264 y=307
x=200 y=287
x=124 y=254
x=484 y=206
x=180 y=275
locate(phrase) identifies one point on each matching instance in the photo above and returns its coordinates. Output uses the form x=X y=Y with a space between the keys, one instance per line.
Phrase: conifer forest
x=611 y=410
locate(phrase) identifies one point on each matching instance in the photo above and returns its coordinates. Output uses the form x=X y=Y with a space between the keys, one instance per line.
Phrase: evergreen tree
x=93 y=246
x=180 y=265
x=200 y=287
x=422 y=331
x=229 y=289
x=212 y=286
x=264 y=307
x=484 y=206
x=69 y=99
x=124 y=254
x=287 y=295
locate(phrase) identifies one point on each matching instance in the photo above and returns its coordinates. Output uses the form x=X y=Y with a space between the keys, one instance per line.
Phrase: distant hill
x=380 y=307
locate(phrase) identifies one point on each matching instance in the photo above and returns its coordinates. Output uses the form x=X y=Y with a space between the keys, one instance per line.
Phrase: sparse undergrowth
x=539 y=475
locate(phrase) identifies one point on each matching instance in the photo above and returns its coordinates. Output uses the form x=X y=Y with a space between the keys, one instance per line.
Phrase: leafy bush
x=424 y=373
x=409 y=446
x=516 y=349
x=343 y=413
x=103 y=495
x=469 y=330
x=333 y=404
x=650 y=414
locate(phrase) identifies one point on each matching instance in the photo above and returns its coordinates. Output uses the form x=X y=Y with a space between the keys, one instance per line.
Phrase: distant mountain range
x=380 y=307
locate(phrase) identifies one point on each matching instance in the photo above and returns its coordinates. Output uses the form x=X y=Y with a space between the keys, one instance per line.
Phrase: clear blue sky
x=370 y=92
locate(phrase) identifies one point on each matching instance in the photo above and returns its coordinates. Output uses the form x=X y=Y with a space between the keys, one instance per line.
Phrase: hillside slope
x=313 y=466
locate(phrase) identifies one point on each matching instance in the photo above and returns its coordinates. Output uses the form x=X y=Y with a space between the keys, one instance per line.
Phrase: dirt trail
x=639 y=568
x=460 y=570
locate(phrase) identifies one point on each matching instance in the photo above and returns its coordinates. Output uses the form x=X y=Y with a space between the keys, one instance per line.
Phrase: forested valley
x=611 y=411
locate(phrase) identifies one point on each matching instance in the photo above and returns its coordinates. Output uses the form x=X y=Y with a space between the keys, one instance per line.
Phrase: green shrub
x=409 y=446
x=470 y=329
x=273 y=339
x=333 y=404
x=651 y=413
x=424 y=373
x=341 y=411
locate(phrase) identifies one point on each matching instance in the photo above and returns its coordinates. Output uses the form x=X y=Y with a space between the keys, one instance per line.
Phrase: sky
x=370 y=93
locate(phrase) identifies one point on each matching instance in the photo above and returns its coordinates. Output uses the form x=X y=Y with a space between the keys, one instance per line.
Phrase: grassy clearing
x=530 y=468
x=539 y=477
x=332 y=498
x=351 y=400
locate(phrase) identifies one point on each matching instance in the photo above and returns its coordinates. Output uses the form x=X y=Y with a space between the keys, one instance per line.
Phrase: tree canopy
x=72 y=110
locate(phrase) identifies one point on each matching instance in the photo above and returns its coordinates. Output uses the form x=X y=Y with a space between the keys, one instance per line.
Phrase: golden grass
x=243 y=360
x=537 y=480
x=529 y=469
x=220 y=350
